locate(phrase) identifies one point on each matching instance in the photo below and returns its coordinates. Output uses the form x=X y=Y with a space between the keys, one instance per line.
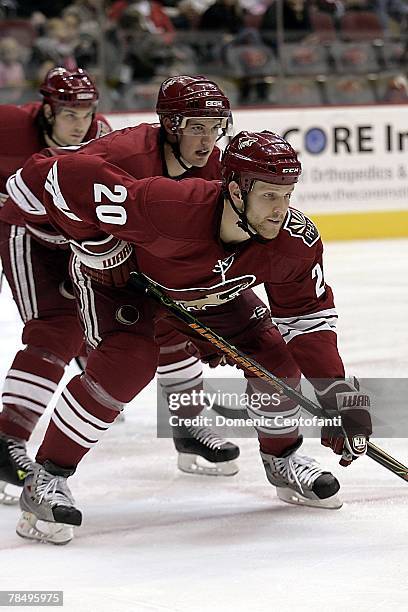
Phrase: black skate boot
x=15 y=464
x=300 y=480
x=47 y=498
x=194 y=442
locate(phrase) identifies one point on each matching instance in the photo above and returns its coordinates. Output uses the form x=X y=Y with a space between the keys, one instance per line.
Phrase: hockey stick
x=151 y=288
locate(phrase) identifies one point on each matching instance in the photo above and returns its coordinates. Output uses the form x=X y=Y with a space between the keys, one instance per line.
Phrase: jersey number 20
x=111 y=213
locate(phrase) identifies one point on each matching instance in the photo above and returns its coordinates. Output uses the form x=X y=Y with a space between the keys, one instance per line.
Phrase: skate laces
x=206 y=436
x=17 y=451
x=53 y=490
x=299 y=469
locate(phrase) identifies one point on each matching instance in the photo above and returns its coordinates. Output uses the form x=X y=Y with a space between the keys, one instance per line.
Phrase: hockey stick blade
x=142 y=282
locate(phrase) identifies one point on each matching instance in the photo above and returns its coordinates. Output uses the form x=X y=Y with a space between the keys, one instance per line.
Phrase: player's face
x=71 y=125
x=197 y=140
x=267 y=207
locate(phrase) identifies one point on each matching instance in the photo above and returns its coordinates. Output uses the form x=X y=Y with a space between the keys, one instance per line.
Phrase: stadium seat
x=323 y=26
x=298 y=92
x=354 y=58
x=250 y=61
x=360 y=25
x=394 y=55
x=305 y=59
x=349 y=90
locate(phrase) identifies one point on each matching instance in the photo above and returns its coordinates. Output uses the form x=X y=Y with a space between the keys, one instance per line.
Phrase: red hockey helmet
x=183 y=97
x=62 y=87
x=262 y=156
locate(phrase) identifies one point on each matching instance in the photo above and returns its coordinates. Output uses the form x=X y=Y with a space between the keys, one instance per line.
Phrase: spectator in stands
x=56 y=48
x=296 y=20
x=11 y=65
x=396 y=9
x=225 y=15
x=152 y=18
x=145 y=53
x=188 y=15
x=397 y=90
x=335 y=8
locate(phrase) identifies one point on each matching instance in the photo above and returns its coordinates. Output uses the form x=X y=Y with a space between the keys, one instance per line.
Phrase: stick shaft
x=153 y=290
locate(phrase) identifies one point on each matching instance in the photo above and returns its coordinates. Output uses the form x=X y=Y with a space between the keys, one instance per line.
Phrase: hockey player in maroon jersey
x=35 y=260
x=194 y=113
x=206 y=243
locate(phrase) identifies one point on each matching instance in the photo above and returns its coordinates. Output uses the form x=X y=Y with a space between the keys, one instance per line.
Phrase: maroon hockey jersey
x=21 y=137
x=138 y=151
x=175 y=229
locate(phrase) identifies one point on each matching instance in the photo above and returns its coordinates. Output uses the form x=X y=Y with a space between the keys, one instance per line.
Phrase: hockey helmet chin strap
x=175 y=147
x=243 y=219
x=51 y=137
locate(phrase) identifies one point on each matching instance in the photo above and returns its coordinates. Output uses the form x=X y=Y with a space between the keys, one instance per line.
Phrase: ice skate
x=300 y=480
x=201 y=451
x=48 y=507
x=15 y=464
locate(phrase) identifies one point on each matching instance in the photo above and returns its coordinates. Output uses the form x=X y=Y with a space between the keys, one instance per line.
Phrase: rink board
x=355 y=164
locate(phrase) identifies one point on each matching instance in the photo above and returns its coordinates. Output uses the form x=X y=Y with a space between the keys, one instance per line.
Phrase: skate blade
x=194 y=464
x=31 y=528
x=11 y=496
x=293 y=497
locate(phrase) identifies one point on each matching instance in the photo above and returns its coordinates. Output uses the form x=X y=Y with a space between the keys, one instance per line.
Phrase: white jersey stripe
x=33 y=378
x=191 y=371
x=328 y=312
x=87 y=302
x=290 y=327
x=19 y=244
x=182 y=385
x=69 y=433
x=15 y=239
x=31 y=281
x=23 y=196
x=25 y=402
x=179 y=364
x=73 y=425
x=32 y=392
x=74 y=405
x=53 y=188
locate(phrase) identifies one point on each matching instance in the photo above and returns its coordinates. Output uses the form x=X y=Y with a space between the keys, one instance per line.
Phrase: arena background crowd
x=275 y=52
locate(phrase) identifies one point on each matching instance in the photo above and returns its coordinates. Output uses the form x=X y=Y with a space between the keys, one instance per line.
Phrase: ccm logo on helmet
x=84 y=96
x=213 y=103
x=290 y=170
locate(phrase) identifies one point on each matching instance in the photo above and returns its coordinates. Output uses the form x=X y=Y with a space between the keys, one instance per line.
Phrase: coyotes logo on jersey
x=215 y=295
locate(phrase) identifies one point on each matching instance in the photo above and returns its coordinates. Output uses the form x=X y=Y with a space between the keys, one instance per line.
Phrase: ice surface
x=154 y=539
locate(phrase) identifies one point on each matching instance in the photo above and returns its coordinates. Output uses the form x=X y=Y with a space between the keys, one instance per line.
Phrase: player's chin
x=268 y=233
x=200 y=160
x=77 y=139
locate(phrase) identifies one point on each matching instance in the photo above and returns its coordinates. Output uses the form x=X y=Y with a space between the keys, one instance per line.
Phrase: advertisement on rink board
x=355 y=164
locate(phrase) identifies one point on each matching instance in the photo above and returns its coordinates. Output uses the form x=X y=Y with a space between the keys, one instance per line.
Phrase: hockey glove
x=350 y=439
x=108 y=261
